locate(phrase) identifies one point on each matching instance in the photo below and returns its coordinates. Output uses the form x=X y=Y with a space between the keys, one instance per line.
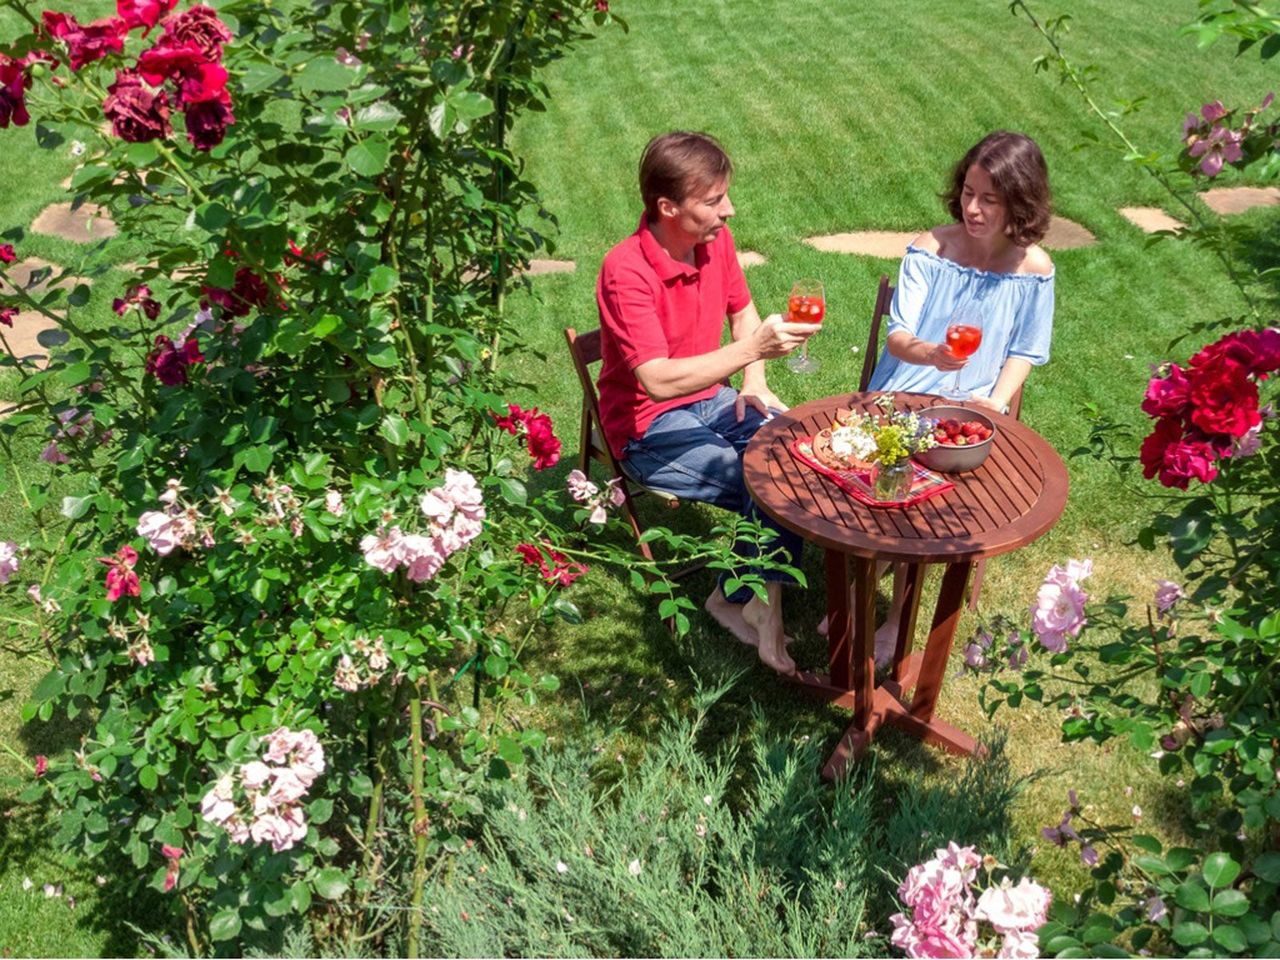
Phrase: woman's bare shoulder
x=933 y=240
x=1035 y=260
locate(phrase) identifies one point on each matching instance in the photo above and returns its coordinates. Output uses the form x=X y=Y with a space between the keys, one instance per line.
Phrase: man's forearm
x=668 y=379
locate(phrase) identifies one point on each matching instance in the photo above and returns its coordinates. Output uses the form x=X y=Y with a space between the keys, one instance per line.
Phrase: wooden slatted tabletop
x=1017 y=494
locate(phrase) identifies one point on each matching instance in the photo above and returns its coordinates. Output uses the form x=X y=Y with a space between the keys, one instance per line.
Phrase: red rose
x=207 y=123
x=563 y=573
x=138 y=113
x=1167 y=396
x=207 y=82
x=86 y=42
x=544 y=447
x=1167 y=431
x=143 y=13
x=168 y=363
x=1177 y=459
x=42 y=765
x=249 y=292
x=6 y=253
x=169 y=62
x=515 y=419
x=13 y=93
x=1256 y=351
x=200 y=26
x=1224 y=400
x=140 y=297
x=7 y=314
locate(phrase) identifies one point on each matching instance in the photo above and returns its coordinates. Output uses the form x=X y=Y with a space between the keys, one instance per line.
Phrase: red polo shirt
x=653 y=307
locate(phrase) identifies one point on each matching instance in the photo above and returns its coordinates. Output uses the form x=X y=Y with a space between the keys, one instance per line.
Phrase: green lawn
x=839 y=117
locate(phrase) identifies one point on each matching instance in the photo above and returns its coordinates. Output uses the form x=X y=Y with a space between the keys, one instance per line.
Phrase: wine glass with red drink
x=964 y=336
x=808 y=304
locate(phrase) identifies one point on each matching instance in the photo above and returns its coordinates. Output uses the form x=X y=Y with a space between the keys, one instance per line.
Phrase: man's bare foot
x=767 y=620
x=729 y=615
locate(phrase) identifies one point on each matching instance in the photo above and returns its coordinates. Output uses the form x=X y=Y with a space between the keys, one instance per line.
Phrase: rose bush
x=294 y=474
x=1206 y=646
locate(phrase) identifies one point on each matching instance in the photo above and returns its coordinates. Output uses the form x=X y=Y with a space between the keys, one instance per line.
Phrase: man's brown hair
x=679 y=163
x=1018 y=171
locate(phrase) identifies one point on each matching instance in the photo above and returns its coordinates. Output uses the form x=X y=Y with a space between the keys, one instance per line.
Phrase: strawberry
x=970 y=428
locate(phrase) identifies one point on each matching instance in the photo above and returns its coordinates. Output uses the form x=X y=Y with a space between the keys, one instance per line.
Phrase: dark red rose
x=167 y=61
x=143 y=13
x=137 y=112
x=6 y=253
x=7 y=314
x=544 y=447
x=1177 y=459
x=1224 y=400
x=140 y=297
x=1167 y=396
x=168 y=363
x=13 y=93
x=207 y=123
x=86 y=42
x=514 y=420
x=1257 y=351
x=198 y=25
x=249 y=292
x=207 y=82
x=564 y=571
x=602 y=6
x=42 y=765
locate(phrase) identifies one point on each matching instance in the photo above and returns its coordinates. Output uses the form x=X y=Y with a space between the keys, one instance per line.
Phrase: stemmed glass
x=808 y=304
x=964 y=336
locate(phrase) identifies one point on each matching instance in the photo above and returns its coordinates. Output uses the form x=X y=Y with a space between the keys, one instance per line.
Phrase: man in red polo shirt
x=664 y=294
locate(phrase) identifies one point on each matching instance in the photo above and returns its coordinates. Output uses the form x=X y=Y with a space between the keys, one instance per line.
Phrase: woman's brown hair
x=1018 y=171
x=678 y=163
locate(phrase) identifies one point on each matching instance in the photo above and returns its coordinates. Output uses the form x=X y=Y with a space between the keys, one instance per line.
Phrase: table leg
x=913 y=581
x=839 y=641
x=864 y=638
x=946 y=617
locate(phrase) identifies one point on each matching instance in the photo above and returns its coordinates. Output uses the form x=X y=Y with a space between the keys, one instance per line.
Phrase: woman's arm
x=1012 y=376
x=910 y=348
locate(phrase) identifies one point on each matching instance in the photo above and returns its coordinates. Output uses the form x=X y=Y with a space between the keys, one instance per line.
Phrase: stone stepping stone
x=1150 y=219
x=1229 y=200
x=537 y=267
x=1066 y=234
x=749 y=258
x=24 y=337
x=869 y=243
x=79 y=223
x=24 y=273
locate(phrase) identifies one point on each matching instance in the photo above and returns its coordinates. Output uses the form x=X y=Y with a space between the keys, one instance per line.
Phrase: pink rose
x=580 y=488
x=163 y=532
x=1020 y=945
x=8 y=560
x=255 y=775
x=1008 y=908
x=217 y=805
x=381 y=552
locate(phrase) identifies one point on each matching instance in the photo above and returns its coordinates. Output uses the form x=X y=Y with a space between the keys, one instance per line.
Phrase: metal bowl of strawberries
x=964 y=437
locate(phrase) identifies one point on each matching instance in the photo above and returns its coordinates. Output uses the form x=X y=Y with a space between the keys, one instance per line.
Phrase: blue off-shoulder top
x=1016 y=311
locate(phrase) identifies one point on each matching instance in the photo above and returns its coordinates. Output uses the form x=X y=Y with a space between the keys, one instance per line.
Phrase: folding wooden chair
x=585 y=350
x=884 y=298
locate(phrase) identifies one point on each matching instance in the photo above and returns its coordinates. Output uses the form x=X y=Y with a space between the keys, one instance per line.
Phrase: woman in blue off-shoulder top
x=987 y=261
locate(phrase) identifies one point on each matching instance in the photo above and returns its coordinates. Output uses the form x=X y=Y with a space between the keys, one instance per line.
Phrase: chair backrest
x=584 y=348
x=884 y=297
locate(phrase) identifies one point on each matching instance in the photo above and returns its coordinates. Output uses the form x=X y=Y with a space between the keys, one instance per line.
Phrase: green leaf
x=259 y=590
x=1190 y=934
x=258 y=459
x=331 y=883
x=378 y=115
x=1192 y=896
x=1230 y=903
x=513 y=491
x=225 y=924
x=326 y=74
x=369 y=158
x=73 y=508
x=1230 y=938
x=1220 y=870
x=1147 y=842
x=1267 y=866
x=383 y=279
x=50 y=685
x=394 y=429
x=301 y=896
x=320 y=810
x=147 y=777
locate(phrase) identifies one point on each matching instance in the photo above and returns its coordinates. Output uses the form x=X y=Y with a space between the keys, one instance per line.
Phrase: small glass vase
x=893 y=481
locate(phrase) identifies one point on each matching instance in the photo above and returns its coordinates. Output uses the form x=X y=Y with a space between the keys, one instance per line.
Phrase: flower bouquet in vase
x=880 y=445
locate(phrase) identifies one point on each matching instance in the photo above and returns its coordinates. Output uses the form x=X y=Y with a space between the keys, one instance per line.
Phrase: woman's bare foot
x=766 y=618
x=886 y=642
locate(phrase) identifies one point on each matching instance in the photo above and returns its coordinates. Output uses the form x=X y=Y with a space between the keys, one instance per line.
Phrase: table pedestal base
x=850 y=682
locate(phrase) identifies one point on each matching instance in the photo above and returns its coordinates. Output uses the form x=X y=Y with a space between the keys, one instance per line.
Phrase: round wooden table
x=1017 y=494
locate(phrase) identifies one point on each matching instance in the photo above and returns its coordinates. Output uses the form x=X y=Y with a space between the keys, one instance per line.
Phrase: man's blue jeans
x=695 y=452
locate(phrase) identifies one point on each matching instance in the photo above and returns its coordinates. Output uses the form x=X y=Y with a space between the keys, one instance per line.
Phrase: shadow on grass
x=112 y=913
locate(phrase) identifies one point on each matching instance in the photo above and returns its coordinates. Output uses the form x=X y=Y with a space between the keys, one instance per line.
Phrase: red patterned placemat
x=925 y=484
